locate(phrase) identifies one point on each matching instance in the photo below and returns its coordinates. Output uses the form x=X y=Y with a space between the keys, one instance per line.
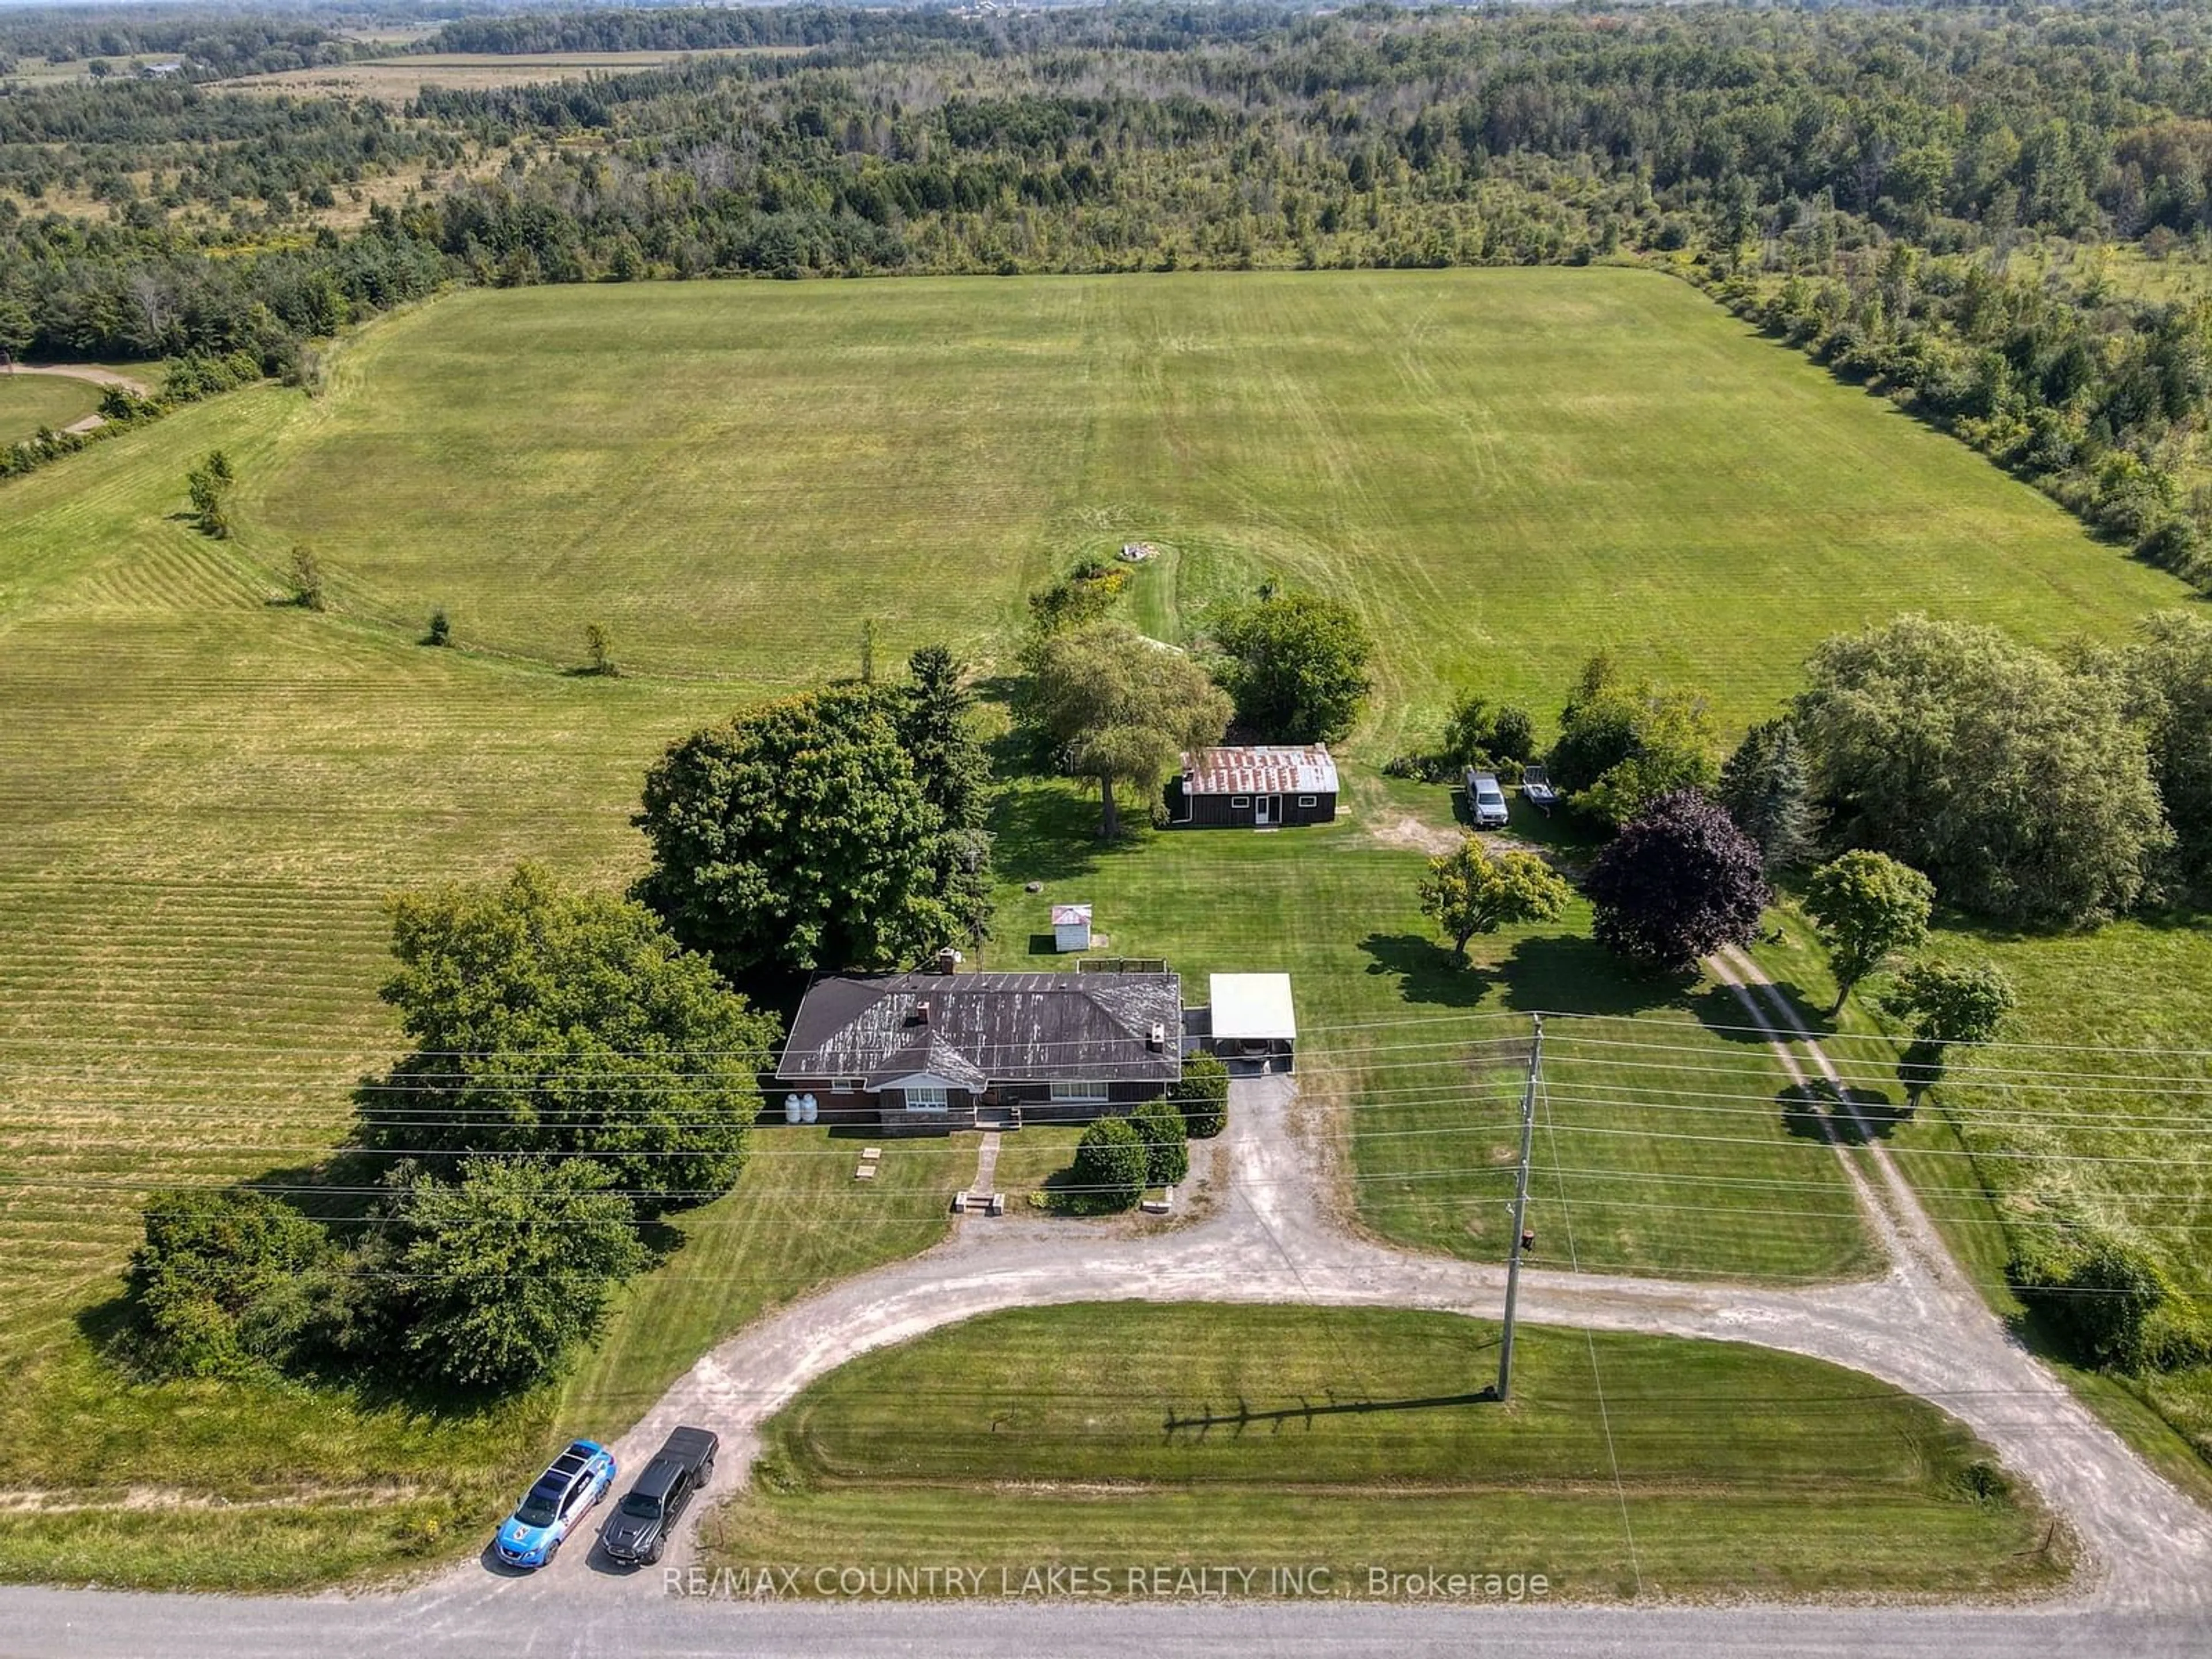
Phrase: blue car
x=557 y=1505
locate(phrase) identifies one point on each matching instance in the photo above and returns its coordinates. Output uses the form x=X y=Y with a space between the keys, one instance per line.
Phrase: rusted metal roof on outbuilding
x=1260 y=770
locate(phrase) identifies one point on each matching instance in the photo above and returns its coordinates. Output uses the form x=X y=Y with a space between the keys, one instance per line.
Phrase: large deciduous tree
x=799 y=836
x=1295 y=666
x=1468 y=891
x=1121 y=708
x=2170 y=672
x=1869 y=907
x=2019 y=786
x=504 y=1272
x=551 y=1022
x=1623 y=743
x=1678 y=881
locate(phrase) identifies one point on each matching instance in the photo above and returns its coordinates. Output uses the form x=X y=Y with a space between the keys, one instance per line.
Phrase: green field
x=204 y=796
x=28 y=402
x=1503 y=469
x=1347 y=1439
x=2084 y=1118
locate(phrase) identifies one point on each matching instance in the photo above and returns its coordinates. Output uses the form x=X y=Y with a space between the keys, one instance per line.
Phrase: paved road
x=91 y=1625
x=2147 y=1589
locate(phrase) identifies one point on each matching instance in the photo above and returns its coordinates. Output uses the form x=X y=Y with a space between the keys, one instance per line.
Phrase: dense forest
x=1865 y=182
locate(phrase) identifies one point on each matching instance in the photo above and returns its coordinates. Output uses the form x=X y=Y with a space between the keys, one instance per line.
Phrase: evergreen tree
x=1763 y=786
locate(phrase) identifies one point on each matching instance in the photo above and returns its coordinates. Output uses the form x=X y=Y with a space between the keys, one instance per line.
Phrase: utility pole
x=1520 y=1206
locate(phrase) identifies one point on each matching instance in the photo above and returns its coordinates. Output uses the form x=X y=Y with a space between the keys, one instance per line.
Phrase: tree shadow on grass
x=1427 y=971
x=1818 y=1110
x=1570 y=973
x=1720 y=1011
x=1047 y=835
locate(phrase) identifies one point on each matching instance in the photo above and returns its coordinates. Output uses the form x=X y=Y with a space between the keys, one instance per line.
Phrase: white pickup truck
x=1484 y=800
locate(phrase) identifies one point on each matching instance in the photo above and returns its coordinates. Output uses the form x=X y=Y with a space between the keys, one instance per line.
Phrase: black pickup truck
x=637 y=1532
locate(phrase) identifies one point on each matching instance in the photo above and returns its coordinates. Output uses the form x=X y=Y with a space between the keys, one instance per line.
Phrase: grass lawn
x=1419 y=1062
x=2117 y=1132
x=1345 y=1438
x=1503 y=469
x=28 y=402
x=1030 y=1159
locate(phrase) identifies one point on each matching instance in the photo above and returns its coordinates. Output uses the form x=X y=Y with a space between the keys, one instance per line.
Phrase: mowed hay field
x=204 y=797
x=1505 y=470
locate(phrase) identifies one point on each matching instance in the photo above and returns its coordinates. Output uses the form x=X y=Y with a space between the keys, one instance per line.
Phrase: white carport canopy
x=1253 y=1007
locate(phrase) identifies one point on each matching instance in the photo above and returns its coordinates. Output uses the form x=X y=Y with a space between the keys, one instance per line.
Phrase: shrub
x=1202 y=1092
x=1111 y=1166
x=307 y=579
x=2108 y=1296
x=1159 y=1125
x=441 y=630
x=223 y=1284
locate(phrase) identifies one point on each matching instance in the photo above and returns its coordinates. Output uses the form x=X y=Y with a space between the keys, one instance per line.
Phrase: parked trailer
x=1537 y=789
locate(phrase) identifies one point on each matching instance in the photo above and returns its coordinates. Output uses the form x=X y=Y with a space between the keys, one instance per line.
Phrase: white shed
x=1071 y=927
x=1251 y=1017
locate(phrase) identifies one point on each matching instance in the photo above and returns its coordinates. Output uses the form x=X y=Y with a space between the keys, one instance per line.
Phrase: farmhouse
x=1256 y=788
x=939 y=1051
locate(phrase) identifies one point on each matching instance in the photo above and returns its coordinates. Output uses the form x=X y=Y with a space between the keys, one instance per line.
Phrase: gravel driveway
x=1921 y=1326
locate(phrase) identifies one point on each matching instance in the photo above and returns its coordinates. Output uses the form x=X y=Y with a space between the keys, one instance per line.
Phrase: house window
x=1078 y=1092
x=1240 y=800
x=848 y=1085
x=927 y=1099
x=1305 y=800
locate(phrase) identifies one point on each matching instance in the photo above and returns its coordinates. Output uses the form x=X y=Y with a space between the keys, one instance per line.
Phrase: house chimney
x=948 y=960
x=1157 y=1041
x=922 y=1012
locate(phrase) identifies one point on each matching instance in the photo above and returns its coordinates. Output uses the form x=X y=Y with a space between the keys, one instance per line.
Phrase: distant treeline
x=209 y=43
x=697 y=29
x=1861 y=181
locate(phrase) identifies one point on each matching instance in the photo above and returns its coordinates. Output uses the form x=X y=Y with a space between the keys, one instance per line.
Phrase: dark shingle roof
x=984 y=1028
